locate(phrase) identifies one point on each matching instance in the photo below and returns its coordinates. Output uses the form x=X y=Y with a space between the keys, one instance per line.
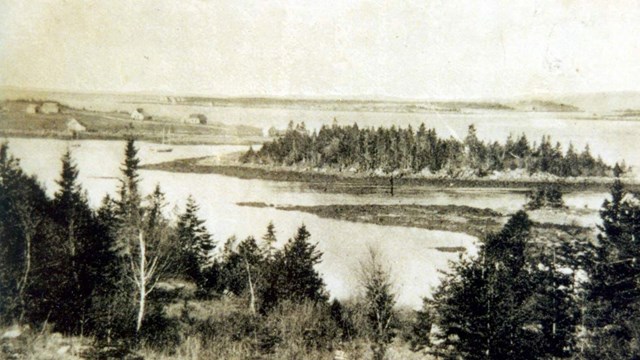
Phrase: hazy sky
x=411 y=48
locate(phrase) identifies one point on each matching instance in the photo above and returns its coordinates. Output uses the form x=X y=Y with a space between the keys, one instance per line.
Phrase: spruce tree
x=378 y=303
x=483 y=307
x=269 y=240
x=23 y=213
x=129 y=201
x=292 y=275
x=195 y=242
x=82 y=250
x=613 y=292
x=556 y=298
x=110 y=307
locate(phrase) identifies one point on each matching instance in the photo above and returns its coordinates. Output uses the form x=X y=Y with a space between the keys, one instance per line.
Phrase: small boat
x=163 y=149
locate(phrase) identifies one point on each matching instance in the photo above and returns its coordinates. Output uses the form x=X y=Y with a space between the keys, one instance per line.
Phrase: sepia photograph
x=330 y=180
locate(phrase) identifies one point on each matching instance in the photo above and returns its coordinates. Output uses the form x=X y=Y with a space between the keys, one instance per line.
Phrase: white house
x=50 y=108
x=32 y=109
x=74 y=125
x=138 y=114
x=195 y=119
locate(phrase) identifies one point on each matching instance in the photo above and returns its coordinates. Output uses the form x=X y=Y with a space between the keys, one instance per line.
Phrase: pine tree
x=484 y=307
x=556 y=298
x=23 y=209
x=195 y=242
x=111 y=308
x=379 y=301
x=613 y=292
x=420 y=336
x=292 y=275
x=80 y=261
x=129 y=202
x=269 y=240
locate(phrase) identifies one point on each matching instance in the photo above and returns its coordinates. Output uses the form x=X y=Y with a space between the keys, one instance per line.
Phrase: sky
x=414 y=49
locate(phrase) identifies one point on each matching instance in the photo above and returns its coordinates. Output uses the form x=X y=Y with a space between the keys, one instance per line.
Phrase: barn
x=50 y=108
x=32 y=109
x=195 y=119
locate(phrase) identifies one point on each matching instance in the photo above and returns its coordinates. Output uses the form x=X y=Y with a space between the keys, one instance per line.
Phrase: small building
x=139 y=114
x=50 y=108
x=32 y=109
x=75 y=126
x=195 y=119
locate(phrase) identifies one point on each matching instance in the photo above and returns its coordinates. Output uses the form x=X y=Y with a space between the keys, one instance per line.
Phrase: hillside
x=602 y=103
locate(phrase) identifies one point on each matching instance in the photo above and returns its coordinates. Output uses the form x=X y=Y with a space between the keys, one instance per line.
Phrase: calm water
x=613 y=140
x=409 y=251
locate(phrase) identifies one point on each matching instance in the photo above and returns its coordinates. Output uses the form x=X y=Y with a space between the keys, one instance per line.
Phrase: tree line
x=404 y=150
x=104 y=273
x=527 y=296
x=89 y=272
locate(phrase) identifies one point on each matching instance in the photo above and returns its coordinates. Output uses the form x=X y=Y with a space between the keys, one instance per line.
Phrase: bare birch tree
x=147 y=269
x=29 y=220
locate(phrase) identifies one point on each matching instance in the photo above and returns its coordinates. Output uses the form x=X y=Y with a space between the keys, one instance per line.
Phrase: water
x=409 y=251
x=614 y=140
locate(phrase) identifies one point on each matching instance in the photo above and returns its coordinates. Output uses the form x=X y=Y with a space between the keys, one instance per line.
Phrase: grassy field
x=16 y=122
x=218 y=328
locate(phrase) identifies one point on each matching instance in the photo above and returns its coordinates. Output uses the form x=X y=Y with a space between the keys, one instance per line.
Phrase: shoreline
x=476 y=222
x=211 y=140
x=371 y=184
x=454 y=218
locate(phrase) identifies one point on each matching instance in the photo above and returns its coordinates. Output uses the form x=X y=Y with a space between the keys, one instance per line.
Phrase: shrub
x=549 y=196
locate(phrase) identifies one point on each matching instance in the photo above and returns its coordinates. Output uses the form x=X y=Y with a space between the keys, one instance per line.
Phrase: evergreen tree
x=81 y=261
x=340 y=315
x=130 y=201
x=195 y=242
x=23 y=209
x=394 y=149
x=556 y=299
x=110 y=307
x=155 y=205
x=269 y=240
x=379 y=301
x=613 y=311
x=292 y=275
x=484 y=307
x=420 y=336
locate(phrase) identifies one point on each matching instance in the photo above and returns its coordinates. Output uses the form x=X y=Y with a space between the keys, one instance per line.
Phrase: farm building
x=32 y=108
x=74 y=126
x=195 y=119
x=50 y=108
x=139 y=114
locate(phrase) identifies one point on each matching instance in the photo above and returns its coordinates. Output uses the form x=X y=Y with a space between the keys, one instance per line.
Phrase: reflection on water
x=409 y=250
x=613 y=140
